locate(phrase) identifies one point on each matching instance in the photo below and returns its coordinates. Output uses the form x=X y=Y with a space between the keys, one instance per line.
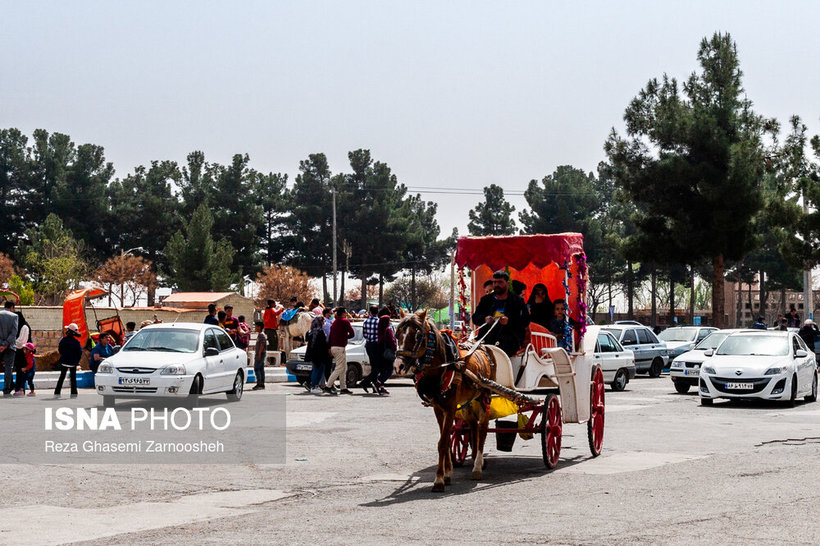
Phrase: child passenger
x=28 y=369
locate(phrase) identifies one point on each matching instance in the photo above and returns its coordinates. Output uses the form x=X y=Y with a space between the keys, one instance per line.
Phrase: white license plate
x=740 y=386
x=304 y=367
x=693 y=371
x=135 y=381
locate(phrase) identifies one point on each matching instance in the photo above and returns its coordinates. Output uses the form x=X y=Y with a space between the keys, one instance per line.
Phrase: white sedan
x=617 y=363
x=764 y=364
x=685 y=369
x=181 y=359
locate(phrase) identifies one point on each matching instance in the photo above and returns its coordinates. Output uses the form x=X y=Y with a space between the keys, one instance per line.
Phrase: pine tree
x=493 y=216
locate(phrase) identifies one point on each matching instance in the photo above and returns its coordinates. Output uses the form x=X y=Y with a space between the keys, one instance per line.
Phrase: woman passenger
x=542 y=310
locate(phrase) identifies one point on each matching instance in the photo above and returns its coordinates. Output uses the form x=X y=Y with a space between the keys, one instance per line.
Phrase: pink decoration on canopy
x=518 y=251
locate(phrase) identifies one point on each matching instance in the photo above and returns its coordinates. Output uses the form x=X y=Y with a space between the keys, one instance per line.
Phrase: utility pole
x=333 y=192
x=808 y=304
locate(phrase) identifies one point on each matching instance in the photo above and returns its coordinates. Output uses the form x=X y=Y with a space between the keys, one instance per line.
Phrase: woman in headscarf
x=387 y=348
x=542 y=310
x=318 y=353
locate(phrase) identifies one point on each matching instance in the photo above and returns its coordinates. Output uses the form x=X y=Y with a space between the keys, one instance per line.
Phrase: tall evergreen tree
x=310 y=222
x=493 y=216
x=15 y=186
x=274 y=198
x=693 y=163
x=195 y=262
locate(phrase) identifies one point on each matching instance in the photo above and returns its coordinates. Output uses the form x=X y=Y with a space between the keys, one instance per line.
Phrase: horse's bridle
x=417 y=356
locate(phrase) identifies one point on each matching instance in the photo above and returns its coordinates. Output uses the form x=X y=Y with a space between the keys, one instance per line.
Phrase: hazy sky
x=449 y=94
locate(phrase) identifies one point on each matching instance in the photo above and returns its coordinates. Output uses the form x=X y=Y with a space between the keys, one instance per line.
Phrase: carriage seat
x=541 y=340
x=503 y=370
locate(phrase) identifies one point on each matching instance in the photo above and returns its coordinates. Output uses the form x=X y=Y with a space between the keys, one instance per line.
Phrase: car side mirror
x=708 y=352
x=800 y=354
x=211 y=351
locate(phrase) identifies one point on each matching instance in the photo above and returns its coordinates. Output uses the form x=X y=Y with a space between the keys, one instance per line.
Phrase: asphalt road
x=359 y=470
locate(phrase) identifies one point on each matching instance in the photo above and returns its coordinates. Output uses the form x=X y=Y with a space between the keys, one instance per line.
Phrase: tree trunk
x=364 y=290
x=671 y=302
x=653 y=319
x=413 y=288
x=717 y=292
x=381 y=290
x=630 y=292
x=325 y=295
x=692 y=297
x=341 y=296
x=751 y=303
x=761 y=289
x=739 y=307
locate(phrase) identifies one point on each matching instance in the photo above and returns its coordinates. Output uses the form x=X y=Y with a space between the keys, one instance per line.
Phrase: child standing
x=259 y=355
x=28 y=369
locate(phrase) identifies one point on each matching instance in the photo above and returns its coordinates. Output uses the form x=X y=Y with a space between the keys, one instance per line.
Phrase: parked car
x=685 y=369
x=631 y=322
x=617 y=363
x=759 y=364
x=177 y=360
x=358 y=365
x=681 y=339
x=650 y=353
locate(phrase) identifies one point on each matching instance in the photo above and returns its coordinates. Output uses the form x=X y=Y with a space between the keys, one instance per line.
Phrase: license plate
x=304 y=367
x=135 y=381
x=740 y=386
x=693 y=371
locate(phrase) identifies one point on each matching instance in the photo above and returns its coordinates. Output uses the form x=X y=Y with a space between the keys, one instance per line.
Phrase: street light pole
x=333 y=192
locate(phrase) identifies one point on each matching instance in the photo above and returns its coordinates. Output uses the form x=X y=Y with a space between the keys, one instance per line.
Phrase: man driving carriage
x=510 y=311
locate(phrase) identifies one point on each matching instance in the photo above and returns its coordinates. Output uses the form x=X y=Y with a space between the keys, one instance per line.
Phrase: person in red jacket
x=340 y=332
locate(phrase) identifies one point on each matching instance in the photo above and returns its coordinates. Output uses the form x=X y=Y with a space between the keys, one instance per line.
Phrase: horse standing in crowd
x=294 y=330
x=442 y=383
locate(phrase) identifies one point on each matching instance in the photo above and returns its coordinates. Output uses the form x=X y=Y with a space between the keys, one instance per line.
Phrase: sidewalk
x=48 y=380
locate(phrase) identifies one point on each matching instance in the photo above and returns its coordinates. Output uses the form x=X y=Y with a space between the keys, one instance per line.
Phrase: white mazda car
x=759 y=364
x=180 y=359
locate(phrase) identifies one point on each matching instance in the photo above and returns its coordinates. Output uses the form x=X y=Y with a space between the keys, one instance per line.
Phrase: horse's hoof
x=476 y=475
x=447 y=480
x=438 y=487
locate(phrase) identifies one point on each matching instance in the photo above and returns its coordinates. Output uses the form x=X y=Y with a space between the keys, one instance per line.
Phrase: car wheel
x=108 y=401
x=235 y=394
x=813 y=396
x=681 y=387
x=196 y=386
x=354 y=374
x=706 y=401
x=793 y=398
x=621 y=379
x=656 y=368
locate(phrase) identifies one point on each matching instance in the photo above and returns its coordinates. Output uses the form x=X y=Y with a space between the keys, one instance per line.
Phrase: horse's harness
x=422 y=356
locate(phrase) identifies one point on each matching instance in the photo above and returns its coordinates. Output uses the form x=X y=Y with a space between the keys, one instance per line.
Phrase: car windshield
x=678 y=334
x=711 y=341
x=754 y=345
x=164 y=340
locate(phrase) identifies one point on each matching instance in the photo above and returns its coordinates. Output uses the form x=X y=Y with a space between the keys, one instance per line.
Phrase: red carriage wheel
x=595 y=425
x=459 y=442
x=551 y=430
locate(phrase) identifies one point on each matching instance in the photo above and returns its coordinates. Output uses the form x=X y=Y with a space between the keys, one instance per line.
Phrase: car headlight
x=173 y=369
x=709 y=369
x=105 y=367
x=677 y=364
x=777 y=370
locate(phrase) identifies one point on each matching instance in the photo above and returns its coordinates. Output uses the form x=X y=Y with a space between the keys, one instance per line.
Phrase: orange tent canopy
x=74 y=309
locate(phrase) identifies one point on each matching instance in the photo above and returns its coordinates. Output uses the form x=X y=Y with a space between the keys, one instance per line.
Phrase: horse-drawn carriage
x=470 y=385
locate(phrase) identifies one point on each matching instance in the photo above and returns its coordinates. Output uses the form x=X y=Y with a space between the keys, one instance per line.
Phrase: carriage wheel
x=551 y=429
x=595 y=425
x=459 y=442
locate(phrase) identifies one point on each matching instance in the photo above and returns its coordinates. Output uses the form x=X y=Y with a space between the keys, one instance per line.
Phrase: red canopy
x=518 y=251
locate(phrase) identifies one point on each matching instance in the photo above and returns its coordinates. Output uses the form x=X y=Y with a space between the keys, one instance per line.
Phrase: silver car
x=650 y=352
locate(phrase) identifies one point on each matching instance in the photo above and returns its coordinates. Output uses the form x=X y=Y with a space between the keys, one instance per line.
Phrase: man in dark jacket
x=809 y=333
x=510 y=311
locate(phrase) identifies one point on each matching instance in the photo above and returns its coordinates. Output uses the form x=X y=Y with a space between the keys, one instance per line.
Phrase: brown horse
x=442 y=384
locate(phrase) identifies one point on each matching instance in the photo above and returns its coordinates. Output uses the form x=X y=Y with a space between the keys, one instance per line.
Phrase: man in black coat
x=510 y=311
